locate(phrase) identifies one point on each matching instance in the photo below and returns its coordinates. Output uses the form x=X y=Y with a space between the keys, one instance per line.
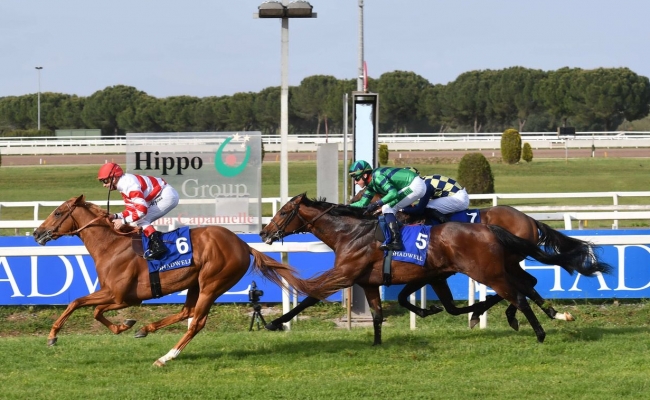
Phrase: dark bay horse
x=220 y=260
x=479 y=251
x=521 y=225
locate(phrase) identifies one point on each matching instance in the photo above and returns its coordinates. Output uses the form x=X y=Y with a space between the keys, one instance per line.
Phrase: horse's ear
x=80 y=200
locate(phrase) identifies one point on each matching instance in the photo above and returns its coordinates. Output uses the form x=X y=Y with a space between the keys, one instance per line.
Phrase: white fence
x=272 y=143
x=567 y=214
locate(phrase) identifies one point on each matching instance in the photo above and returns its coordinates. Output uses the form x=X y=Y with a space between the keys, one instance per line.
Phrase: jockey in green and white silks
x=399 y=187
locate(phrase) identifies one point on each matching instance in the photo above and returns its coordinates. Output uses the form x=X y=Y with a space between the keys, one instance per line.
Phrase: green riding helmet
x=358 y=168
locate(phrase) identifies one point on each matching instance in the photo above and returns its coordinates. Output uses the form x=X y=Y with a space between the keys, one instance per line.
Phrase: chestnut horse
x=521 y=225
x=479 y=251
x=220 y=259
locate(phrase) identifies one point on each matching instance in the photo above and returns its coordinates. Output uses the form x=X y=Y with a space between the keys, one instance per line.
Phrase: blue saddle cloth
x=416 y=237
x=179 y=250
x=472 y=215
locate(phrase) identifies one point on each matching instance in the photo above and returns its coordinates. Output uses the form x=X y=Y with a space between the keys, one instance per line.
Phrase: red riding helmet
x=109 y=170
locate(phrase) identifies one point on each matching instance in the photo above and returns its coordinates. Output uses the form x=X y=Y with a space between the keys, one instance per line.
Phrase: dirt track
x=89 y=159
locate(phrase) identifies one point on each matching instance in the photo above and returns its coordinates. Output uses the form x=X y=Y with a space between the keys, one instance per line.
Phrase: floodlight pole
x=360 y=74
x=284 y=10
x=39 y=96
x=284 y=112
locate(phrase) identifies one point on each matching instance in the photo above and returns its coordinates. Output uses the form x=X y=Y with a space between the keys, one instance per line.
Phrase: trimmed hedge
x=511 y=146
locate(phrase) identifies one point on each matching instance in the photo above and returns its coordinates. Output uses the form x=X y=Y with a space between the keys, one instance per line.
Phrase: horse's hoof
x=514 y=324
x=541 y=337
x=158 y=363
x=130 y=322
x=141 y=333
x=568 y=317
x=51 y=342
x=473 y=322
x=273 y=327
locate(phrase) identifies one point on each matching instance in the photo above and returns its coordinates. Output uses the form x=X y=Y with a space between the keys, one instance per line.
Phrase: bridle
x=280 y=231
x=53 y=233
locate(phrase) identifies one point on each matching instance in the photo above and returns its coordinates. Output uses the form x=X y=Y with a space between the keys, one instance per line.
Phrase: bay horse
x=476 y=250
x=519 y=224
x=220 y=259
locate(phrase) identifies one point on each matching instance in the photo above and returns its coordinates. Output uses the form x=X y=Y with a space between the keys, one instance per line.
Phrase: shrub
x=475 y=174
x=527 y=152
x=383 y=154
x=511 y=146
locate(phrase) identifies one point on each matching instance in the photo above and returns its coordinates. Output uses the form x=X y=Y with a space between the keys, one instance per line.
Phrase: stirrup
x=392 y=246
x=150 y=255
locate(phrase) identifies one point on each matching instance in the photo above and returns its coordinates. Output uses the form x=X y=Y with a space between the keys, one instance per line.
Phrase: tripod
x=256 y=317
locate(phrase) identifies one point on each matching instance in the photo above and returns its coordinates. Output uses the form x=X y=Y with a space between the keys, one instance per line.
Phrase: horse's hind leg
x=185 y=313
x=524 y=307
x=403 y=296
x=201 y=310
x=116 y=329
x=276 y=324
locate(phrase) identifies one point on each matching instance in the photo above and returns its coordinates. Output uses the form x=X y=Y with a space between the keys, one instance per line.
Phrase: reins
x=294 y=213
x=77 y=230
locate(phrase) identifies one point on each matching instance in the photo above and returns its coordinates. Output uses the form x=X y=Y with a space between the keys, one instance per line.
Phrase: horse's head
x=64 y=220
x=285 y=221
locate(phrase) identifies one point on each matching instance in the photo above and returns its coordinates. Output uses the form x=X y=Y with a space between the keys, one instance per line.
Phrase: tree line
x=477 y=101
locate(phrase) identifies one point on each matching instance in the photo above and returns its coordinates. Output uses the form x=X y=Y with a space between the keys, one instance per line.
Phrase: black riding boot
x=395 y=243
x=156 y=247
x=438 y=215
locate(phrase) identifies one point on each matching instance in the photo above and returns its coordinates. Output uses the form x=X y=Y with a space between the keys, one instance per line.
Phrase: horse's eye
x=57 y=213
x=282 y=213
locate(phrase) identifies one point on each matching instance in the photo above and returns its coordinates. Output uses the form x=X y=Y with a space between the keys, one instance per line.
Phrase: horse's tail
x=554 y=241
x=581 y=259
x=275 y=271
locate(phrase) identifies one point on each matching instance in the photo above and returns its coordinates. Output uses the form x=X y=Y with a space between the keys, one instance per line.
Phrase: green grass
x=600 y=356
x=541 y=176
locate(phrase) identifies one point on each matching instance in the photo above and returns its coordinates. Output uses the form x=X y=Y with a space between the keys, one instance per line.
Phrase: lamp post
x=39 y=96
x=284 y=10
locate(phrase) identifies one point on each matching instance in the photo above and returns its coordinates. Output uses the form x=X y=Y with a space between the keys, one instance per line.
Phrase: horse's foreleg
x=101 y=297
x=374 y=301
x=185 y=313
x=116 y=329
x=276 y=324
x=441 y=287
x=403 y=300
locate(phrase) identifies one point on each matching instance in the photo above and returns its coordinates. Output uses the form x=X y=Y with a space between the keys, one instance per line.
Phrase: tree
x=400 y=93
x=103 y=108
x=177 y=113
x=468 y=98
x=556 y=92
x=267 y=110
x=309 y=100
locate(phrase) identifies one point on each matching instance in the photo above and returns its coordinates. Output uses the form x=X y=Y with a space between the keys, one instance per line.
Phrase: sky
x=215 y=47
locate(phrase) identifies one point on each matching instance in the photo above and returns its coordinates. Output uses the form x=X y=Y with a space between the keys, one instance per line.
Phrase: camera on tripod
x=254 y=293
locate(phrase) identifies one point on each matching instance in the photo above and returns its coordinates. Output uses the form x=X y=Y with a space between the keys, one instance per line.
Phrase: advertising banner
x=59 y=279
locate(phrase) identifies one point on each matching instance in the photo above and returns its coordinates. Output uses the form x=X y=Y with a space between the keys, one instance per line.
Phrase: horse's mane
x=95 y=209
x=339 y=210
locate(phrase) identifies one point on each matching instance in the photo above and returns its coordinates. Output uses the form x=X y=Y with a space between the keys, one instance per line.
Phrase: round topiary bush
x=475 y=174
x=511 y=146
x=527 y=152
x=383 y=154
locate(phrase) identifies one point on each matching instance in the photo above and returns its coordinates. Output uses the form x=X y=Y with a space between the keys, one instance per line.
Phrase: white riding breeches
x=451 y=204
x=418 y=189
x=161 y=205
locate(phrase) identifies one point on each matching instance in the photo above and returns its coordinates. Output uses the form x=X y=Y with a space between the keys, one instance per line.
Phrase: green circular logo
x=226 y=166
